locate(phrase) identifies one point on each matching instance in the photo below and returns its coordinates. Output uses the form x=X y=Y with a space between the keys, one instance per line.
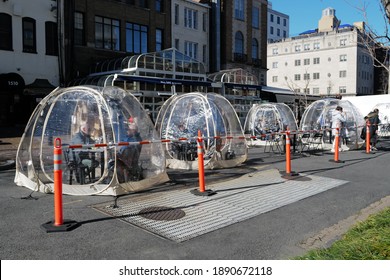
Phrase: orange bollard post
x=58 y=218
x=59 y=223
x=201 y=163
x=288 y=154
x=336 y=144
x=288 y=174
x=202 y=189
x=368 y=140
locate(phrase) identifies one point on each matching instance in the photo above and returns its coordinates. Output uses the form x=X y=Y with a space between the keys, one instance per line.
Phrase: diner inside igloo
x=109 y=123
x=318 y=117
x=183 y=116
x=265 y=121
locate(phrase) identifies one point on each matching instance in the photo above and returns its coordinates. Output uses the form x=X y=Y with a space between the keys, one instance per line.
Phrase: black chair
x=80 y=170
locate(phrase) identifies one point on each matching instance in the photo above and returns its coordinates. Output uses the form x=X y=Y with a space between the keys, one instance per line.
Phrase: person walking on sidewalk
x=373 y=118
x=338 y=122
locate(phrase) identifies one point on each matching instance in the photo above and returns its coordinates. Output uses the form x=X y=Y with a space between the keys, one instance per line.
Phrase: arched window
x=29 y=35
x=5 y=32
x=51 y=38
x=239 y=43
x=255 y=49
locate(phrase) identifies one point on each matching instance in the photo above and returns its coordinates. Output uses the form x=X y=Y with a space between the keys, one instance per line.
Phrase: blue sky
x=305 y=14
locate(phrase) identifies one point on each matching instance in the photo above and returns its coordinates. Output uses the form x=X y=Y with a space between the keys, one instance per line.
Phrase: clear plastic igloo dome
x=318 y=116
x=264 y=120
x=98 y=119
x=384 y=117
x=182 y=116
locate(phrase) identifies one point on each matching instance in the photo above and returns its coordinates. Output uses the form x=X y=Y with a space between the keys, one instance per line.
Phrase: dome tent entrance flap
x=90 y=116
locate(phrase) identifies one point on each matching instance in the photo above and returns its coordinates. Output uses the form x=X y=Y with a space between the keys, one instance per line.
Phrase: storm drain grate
x=162 y=213
x=236 y=200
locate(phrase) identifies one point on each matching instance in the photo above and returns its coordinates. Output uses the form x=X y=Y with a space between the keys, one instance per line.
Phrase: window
x=275 y=51
x=5 y=32
x=51 y=38
x=255 y=18
x=278 y=32
x=297 y=77
x=278 y=20
x=136 y=38
x=159 y=39
x=343 y=42
x=316 y=46
x=272 y=18
x=306 y=76
x=255 y=49
x=306 y=47
x=79 y=37
x=107 y=32
x=316 y=60
x=306 y=90
x=205 y=22
x=29 y=35
x=343 y=89
x=239 y=6
x=343 y=57
x=274 y=65
x=239 y=43
x=190 y=18
x=271 y=30
x=204 y=52
x=143 y=3
x=316 y=76
x=284 y=34
x=177 y=44
x=191 y=49
x=298 y=48
x=316 y=90
x=159 y=6
x=284 y=22
x=343 y=74
x=297 y=62
x=274 y=79
x=177 y=14
x=306 y=61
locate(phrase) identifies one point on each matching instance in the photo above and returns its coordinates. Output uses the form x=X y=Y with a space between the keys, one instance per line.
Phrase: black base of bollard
x=336 y=161
x=289 y=176
x=205 y=193
x=67 y=225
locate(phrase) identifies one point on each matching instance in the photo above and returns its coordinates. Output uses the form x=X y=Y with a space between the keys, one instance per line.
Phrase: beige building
x=327 y=61
x=190 y=29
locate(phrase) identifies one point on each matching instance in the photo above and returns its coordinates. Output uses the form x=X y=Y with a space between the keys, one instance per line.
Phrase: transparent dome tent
x=318 y=116
x=265 y=120
x=91 y=115
x=182 y=116
x=384 y=117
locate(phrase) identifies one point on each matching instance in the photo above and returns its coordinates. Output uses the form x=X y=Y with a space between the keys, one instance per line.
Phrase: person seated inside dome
x=128 y=156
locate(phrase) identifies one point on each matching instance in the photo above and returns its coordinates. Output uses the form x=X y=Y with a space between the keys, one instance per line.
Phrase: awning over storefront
x=11 y=82
x=39 y=87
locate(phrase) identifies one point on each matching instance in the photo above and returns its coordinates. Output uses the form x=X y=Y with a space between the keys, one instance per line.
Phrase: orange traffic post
x=336 y=149
x=59 y=223
x=202 y=189
x=288 y=174
x=368 y=140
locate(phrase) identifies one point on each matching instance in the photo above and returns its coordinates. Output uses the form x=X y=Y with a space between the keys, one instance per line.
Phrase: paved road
x=279 y=234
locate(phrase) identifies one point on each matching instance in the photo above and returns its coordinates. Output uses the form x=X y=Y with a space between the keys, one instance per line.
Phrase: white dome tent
x=100 y=117
x=266 y=119
x=318 y=116
x=384 y=117
x=182 y=116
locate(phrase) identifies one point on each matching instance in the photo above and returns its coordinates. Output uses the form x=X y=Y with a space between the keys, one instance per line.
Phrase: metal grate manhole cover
x=162 y=213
